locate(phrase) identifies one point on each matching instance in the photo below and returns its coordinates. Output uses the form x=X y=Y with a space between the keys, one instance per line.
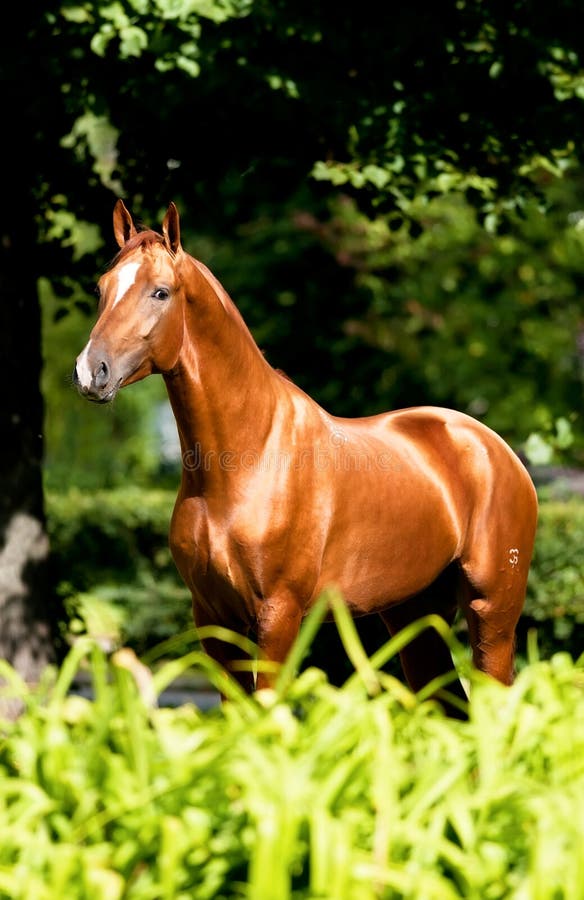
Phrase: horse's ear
x=171 y=229
x=124 y=227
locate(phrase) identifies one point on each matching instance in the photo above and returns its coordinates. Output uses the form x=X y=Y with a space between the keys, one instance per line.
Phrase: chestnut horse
x=417 y=511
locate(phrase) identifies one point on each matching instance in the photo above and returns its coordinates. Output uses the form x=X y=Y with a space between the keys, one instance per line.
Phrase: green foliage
x=555 y=600
x=442 y=99
x=426 y=97
x=395 y=299
x=101 y=139
x=486 y=323
x=541 y=449
x=112 y=24
x=307 y=791
x=113 y=565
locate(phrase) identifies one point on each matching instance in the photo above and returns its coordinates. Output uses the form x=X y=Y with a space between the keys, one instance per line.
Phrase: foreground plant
x=308 y=791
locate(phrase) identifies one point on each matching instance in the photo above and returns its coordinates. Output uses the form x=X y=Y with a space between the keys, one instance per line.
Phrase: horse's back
x=467 y=443
x=452 y=440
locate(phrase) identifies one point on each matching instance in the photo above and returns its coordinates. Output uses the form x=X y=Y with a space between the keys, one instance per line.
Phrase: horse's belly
x=391 y=551
x=370 y=585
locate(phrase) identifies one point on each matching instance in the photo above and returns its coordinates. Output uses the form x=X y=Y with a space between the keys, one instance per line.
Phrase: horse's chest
x=209 y=560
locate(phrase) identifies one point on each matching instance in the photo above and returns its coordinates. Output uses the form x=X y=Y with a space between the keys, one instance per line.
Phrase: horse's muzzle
x=96 y=383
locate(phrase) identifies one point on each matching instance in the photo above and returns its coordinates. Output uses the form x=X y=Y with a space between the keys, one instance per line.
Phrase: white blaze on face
x=126 y=278
x=83 y=370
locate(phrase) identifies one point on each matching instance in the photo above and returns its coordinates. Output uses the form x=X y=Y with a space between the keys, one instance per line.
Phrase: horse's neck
x=223 y=392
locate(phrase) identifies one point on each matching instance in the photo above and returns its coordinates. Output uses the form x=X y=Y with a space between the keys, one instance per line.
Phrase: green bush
x=114 y=567
x=356 y=793
x=116 y=573
x=555 y=599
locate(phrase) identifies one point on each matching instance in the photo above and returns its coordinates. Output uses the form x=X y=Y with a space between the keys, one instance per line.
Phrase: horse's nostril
x=101 y=374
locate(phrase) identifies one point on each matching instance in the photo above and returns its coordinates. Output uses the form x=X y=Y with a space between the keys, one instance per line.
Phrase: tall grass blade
x=352 y=642
x=310 y=626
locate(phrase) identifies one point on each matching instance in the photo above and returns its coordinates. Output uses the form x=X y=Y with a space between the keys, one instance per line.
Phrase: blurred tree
x=28 y=609
x=491 y=324
x=229 y=108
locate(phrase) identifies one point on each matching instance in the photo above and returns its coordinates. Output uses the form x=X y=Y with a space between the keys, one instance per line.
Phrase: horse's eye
x=161 y=294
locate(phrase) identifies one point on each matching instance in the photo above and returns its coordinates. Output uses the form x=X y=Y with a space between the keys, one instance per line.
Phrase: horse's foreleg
x=278 y=625
x=226 y=654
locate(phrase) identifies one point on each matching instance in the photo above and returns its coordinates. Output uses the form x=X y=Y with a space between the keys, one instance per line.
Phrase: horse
x=409 y=512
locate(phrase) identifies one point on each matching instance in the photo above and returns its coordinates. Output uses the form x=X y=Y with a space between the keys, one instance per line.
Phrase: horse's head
x=139 y=329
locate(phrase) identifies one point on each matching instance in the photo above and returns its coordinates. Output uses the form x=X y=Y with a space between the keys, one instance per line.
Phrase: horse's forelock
x=144 y=239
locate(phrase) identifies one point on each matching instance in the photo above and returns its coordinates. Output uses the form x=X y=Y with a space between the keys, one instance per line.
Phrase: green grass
x=307 y=791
